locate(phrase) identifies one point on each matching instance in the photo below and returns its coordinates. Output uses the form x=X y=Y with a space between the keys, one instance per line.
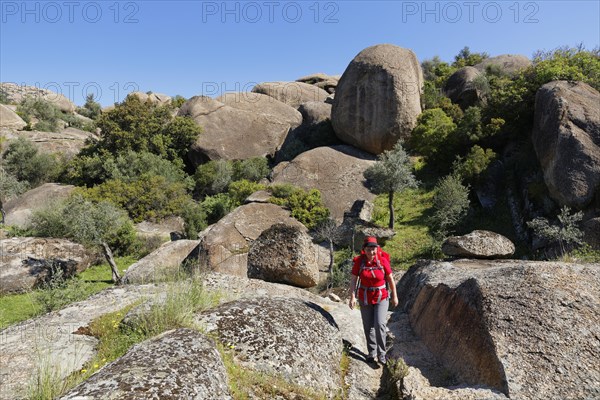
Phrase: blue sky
x=208 y=47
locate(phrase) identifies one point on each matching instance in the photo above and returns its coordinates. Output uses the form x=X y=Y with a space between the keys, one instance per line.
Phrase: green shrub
x=450 y=204
x=91 y=108
x=87 y=223
x=306 y=207
x=46 y=113
x=10 y=186
x=147 y=127
x=240 y=190
x=216 y=207
x=178 y=101
x=194 y=217
x=149 y=197
x=473 y=165
x=565 y=232
x=4 y=97
x=213 y=177
x=252 y=169
x=24 y=162
x=466 y=58
x=431 y=135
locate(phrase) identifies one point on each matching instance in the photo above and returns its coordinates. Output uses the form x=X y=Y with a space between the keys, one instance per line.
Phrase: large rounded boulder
x=284 y=254
x=10 y=119
x=17 y=93
x=462 y=87
x=178 y=364
x=19 y=210
x=566 y=138
x=289 y=337
x=508 y=64
x=231 y=133
x=28 y=262
x=377 y=99
x=291 y=93
x=337 y=171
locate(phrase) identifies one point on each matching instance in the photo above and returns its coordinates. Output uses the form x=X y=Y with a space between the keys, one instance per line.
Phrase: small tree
x=328 y=230
x=566 y=232
x=390 y=174
x=451 y=203
x=92 y=224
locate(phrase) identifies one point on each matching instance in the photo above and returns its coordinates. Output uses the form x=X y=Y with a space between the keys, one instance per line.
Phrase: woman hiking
x=373 y=269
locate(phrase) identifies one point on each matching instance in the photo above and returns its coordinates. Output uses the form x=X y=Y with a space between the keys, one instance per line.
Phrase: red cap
x=370 y=241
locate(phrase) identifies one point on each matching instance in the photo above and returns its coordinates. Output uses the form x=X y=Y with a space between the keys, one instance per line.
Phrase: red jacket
x=372 y=276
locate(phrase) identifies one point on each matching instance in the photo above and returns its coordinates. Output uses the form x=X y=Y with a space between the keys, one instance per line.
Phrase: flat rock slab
x=178 y=364
x=50 y=339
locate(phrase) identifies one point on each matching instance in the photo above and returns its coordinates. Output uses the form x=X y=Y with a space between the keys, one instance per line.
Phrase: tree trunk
x=111 y=261
x=330 y=256
x=391 y=206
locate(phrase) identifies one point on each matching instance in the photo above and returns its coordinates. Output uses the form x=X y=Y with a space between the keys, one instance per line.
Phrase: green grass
x=413 y=239
x=15 y=308
x=184 y=299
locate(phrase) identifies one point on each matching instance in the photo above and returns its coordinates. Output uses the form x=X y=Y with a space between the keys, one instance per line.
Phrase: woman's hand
x=394 y=300
x=352 y=302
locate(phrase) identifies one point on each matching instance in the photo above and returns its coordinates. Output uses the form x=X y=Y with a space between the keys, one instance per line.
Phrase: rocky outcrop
x=169 y=228
x=155 y=98
x=478 y=244
x=461 y=87
x=566 y=139
x=291 y=93
x=17 y=93
x=53 y=343
x=258 y=103
x=509 y=64
x=377 y=100
x=357 y=225
x=162 y=264
x=67 y=142
x=28 y=262
x=337 y=171
x=320 y=80
x=284 y=254
x=224 y=246
x=591 y=232
x=508 y=325
x=19 y=210
x=315 y=131
x=225 y=128
x=10 y=120
x=289 y=337
x=182 y=364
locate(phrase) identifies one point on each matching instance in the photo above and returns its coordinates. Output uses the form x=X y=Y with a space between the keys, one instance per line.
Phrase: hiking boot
x=382 y=359
x=370 y=359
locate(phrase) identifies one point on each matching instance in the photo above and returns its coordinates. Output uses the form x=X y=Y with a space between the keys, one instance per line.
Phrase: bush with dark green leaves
x=432 y=135
x=147 y=127
x=306 y=206
x=466 y=58
x=472 y=167
x=27 y=164
x=128 y=166
x=149 y=197
x=86 y=222
x=216 y=207
x=91 y=108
